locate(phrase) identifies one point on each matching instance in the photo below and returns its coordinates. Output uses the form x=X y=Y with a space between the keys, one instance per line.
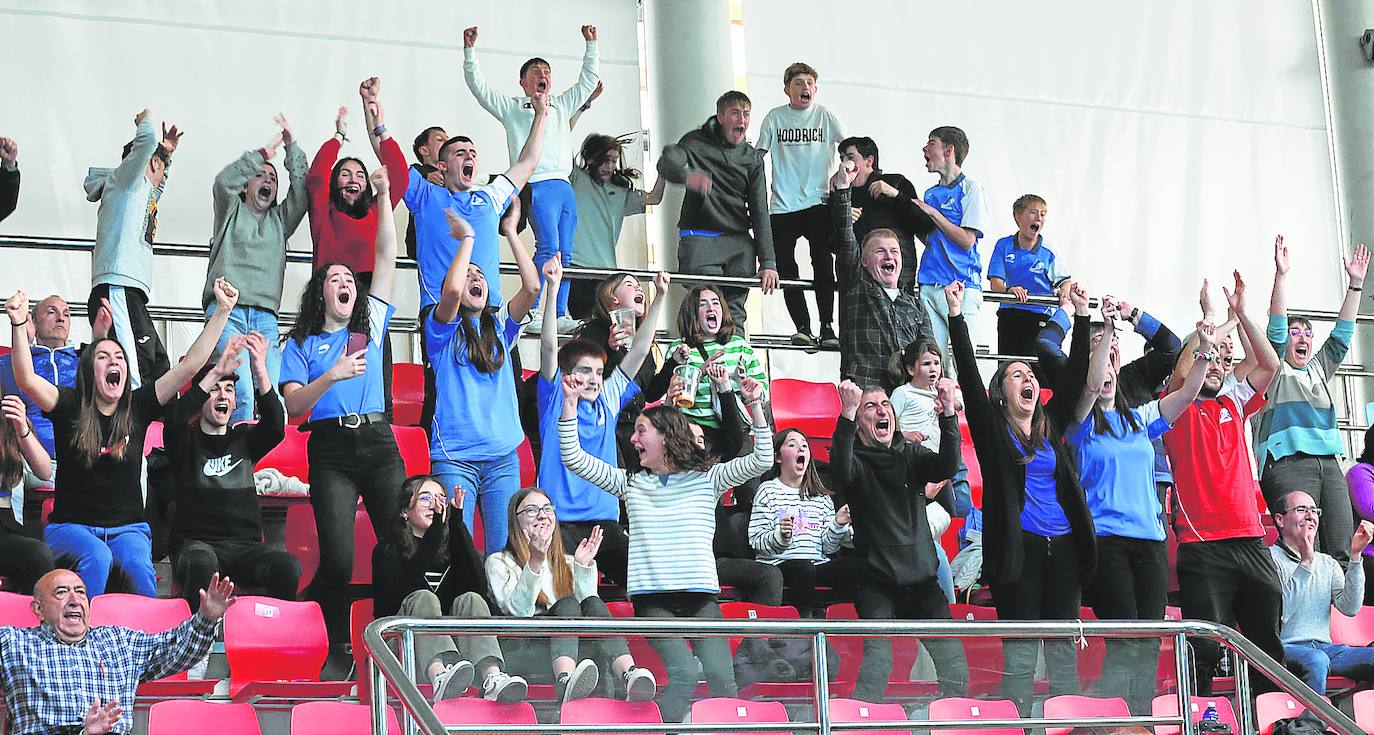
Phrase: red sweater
x=339 y=238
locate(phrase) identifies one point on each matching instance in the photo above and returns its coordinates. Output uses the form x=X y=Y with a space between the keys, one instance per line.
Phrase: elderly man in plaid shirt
x=66 y=677
x=878 y=317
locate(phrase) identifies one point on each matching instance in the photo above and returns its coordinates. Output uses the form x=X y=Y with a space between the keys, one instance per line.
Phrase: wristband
x=341 y=135
x=1356 y=288
x=585 y=107
x=27 y=434
x=20 y=324
x=1210 y=356
x=377 y=131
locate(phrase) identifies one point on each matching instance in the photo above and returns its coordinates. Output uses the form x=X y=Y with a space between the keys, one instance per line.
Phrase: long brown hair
x=680 y=449
x=689 y=327
x=11 y=459
x=605 y=291
x=483 y=343
x=1040 y=423
x=86 y=423
x=519 y=550
x=811 y=483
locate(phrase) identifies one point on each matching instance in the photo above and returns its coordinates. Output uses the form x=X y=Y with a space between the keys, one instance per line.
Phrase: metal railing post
x=821 y=668
x=378 y=684
x=1183 y=673
x=1245 y=709
x=408 y=664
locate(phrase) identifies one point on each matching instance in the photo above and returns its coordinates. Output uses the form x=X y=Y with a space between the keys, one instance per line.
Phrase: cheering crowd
x=1085 y=458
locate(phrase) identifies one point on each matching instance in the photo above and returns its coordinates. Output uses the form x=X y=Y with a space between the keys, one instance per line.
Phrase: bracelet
x=377 y=131
x=1135 y=314
x=20 y=324
x=1356 y=288
x=1210 y=356
x=585 y=107
x=26 y=435
x=341 y=135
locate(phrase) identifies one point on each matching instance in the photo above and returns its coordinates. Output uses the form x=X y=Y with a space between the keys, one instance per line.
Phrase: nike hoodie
x=127 y=220
x=216 y=500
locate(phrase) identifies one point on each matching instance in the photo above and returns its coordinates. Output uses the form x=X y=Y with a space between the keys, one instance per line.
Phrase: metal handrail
x=384 y=668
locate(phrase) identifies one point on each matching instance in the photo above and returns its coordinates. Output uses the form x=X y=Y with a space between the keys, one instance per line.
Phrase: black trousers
x=344 y=465
x=582 y=297
x=925 y=601
x=147 y=348
x=613 y=558
x=1017 y=330
x=1130 y=584
x=755 y=581
x=802 y=577
x=681 y=661
x=1047 y=589
x=247 y=563
x=1232 y=582
x=23 y=559
x=812 y=223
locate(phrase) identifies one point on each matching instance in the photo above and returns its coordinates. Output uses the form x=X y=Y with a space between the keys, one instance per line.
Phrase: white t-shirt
x=915 y=411
x=803 y=147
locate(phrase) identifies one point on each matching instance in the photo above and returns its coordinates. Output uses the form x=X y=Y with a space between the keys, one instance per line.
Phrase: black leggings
x=1130 y=584
x=25 y=559
x=802 y=577
x=680 y=660
x=1047 y=589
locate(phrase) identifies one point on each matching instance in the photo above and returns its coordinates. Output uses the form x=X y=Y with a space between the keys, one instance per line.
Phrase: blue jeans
x=96 y=549
x=944 y=574
x=492 y=483
x=1313 y=662
x=554 y=218
x=937 y=314
x=243 y=320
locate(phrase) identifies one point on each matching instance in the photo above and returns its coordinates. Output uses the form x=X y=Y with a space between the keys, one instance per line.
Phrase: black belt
x=346 y=421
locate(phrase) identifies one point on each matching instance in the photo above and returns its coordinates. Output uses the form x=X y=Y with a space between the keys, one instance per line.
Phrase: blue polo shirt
x=305 y=362
x=1034 y=270
x=475 y=414
x=962 y=203
x=434 y=243
x=575 y=498
x=1117 y=470
x=1041 y=514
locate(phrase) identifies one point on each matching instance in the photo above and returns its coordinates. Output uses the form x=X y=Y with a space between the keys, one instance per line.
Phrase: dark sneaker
x=828 y=339
x=579 y=684
x=803 y=339
x=640 y=685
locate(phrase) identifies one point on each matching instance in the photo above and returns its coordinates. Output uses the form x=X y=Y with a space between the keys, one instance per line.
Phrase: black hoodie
x=885 y=487
x=738 y=199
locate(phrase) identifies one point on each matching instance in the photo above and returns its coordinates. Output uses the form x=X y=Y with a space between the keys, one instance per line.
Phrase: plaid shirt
x=49 y=685
x=873 y=325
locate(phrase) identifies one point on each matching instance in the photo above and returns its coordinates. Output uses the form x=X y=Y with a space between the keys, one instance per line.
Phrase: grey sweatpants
x=723 y=255
x=478 y=649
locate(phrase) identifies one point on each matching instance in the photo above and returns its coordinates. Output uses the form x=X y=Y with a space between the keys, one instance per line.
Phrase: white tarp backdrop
x=1171 y=139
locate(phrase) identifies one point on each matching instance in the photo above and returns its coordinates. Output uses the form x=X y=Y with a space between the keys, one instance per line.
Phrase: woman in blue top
x=331 y=370
x=1039 y=546
x=476 y=418
x=1112 y=446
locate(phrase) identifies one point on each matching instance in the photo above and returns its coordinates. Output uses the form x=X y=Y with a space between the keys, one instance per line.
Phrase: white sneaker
x=568 y=325
x=453 y=681
x=580 y=683
x=533 y=326
x=640 y=685
x=502 y=687
x=197 y=670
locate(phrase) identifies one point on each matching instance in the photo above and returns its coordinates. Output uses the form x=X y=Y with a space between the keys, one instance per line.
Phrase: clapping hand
x=101 y=718
x=586 y=551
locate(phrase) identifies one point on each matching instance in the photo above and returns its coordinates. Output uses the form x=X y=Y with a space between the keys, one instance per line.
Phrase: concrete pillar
x=1347 y=88
x=687 y=44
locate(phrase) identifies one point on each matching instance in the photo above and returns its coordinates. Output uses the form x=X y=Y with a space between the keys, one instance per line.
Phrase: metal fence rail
x=384 y=668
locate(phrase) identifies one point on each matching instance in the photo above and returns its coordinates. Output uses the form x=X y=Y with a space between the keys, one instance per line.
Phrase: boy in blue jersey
x=1023 y=266
x=959 y=210
x=582 y=506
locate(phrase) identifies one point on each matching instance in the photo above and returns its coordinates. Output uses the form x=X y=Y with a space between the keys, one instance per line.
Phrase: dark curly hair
x=596 y=149
x=310 y=313
x=680 y=450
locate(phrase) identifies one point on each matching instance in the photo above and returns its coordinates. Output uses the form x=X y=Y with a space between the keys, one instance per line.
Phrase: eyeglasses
x=1299 y=332
x=425 y=500
x=535 y=511
x=1305 y=510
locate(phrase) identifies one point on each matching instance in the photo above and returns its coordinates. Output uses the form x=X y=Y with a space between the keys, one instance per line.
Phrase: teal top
x=1300 y=416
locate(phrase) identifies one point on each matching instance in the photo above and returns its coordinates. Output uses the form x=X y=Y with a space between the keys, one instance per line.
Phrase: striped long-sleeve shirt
x=815 y=534
x=1300 y=416
x=672 y=516
x=739 y=355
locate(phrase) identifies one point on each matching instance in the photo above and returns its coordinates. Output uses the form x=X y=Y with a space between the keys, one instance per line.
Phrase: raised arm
x=1065 y=386
x=1175 y=403
x=226 y=296
x=592 y=469
x=1278 y=296
x=1355 y=268
x=548 y=328
x=521 y=303
x=456 y=280
x=492 y=101
x=40 y=391
x=9 y=177
x=374 y=117
x=144 y=146
x=1098 y=364
x=38 y=459
x=842 y=443
x=270 y=429
x=644 y=337
x=520 y=171
x=577 y=114
x=1266 y=360
x=297 y=202
x=588 y=84
x=847 y=261
x=742 y=469
x=384 y=260
x=978 y=409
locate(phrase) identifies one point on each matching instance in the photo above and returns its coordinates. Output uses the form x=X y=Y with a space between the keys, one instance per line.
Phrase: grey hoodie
x=127 y=220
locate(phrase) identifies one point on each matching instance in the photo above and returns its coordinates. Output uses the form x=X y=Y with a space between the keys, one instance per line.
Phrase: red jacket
x=339 y=238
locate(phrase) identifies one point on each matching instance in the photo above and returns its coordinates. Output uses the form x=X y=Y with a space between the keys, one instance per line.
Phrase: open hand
x=341 y=122
x=171 y=137
x=257 y=353
x=457 y=226
x=768 y=280
x=1281 y=264
x=588 y=547
x=349 y=366
x=229 y=360
x=101 y=718
x=1358 y=265
x=1020 y=293
x=286 y=135
x=217 y=597
x=1235 y=299
x=751 y=389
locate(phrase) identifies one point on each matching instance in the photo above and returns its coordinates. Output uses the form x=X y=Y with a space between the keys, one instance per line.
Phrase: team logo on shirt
x=1225 y=416
x=220 y=466
x=801 y=135
x=323 y=348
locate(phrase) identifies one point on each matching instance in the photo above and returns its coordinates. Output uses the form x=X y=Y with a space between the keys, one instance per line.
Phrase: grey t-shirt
x=601 y=210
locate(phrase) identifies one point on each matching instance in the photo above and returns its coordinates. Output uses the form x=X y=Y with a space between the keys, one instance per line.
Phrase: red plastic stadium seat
x=529 y=468
x=478 y=711
x=602 y=711
x=414 y=446
x=151 y=615
x=338 y=718
x=963 y=708
x=17 y=610
x=801 y=404
x=753 y=611
x=302 y=542
x=407 y=392
x=1271 y=707
x=984 y=654
x=197 y=716
x=152 y=438
x=1166 y=705
x=1067 y=706
x=276 y=648
x=1356 y=631
x=1363 y=702
x=853 y=710
x=289 y=457
x=360 y=615
x=731 y=710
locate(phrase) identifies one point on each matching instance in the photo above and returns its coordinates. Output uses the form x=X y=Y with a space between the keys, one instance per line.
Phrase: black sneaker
x=803 y=338
x=828 y=339
x=579 y=684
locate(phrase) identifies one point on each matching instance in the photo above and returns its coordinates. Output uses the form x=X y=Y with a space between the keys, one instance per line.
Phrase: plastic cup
x=688 y=376
x=624 y=319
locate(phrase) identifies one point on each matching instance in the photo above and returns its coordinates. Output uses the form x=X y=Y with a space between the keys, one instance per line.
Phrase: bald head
x=52 y=321
x=59 y=599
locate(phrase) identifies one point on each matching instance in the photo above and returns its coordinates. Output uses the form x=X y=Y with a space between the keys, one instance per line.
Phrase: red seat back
x=289 y=457
x=529 y=468
x=196 y=716
x=407 y=393
x=853 y=710
x=1271 y=707
x=17 y=610
x=266 y=639
x=302 y=542
x=1065 y=706
x=602 y=711
x=984 y=654
x=337 y=718
x=1166 y=705
x=148 y=614
x=152 y=439
x=644 y=654
x=360 y=615
x=478 y=711
x=1363 y=702
x=731 y=710
x=801 y=404
x=1356 y=631
x=754 y=611
x=963 y=708
x=414 y=446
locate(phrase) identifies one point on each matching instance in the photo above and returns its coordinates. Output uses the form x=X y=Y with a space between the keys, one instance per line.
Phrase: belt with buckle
x=346 y=421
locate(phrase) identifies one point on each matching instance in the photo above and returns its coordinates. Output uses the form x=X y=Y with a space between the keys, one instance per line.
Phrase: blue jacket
x=55 y=366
